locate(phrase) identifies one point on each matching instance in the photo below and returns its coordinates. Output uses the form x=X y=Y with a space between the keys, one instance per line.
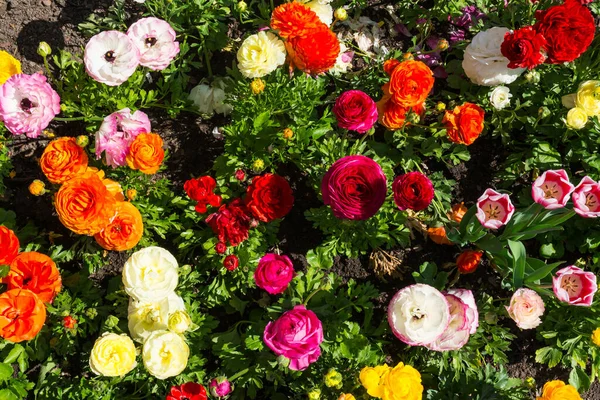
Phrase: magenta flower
x=574 y=286
x=552 y=189
x=220 y=387
x=116 y=134
x=586 y=198
x=155 y=40
x=356 y=111
x=413 y=191
x=28 y=104
x=111 y=58
x=494 y=209
x=274 y=273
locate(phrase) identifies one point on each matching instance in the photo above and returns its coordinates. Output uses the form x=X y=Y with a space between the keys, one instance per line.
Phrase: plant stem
x=237 y=375
x=311 y=296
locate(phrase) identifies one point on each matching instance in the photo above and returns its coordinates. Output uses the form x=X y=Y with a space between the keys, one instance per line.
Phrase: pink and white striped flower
x=575 y=286
x=116 y=134
x=552 y=189
x=111 y=57
x=472 y=312
x=156 y=42
x=457 y=333
x=586 y=198
x=494 y=210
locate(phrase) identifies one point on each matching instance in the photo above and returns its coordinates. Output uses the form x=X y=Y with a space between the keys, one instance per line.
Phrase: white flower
x=483 y=61
x=457 y=333
x=155 y=39
x=165 y=354
x=179 y=321
x=146 y=317
x=209 y=100
x=260 y=54
x=111 y=57
x=150 y=274
x=526 y=308
x=500 y=97
x=418 y=314
x=323 y=10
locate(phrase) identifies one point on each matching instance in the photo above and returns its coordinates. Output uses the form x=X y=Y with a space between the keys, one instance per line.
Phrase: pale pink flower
x=155 y=39
x=111 y=57
x=472 y=313
x=586 y=198
x=552 y=189
x=526 y=308
x=494 y=209
x=117 y=132
x=574 y=286
x=28 y=104
x=457 y=333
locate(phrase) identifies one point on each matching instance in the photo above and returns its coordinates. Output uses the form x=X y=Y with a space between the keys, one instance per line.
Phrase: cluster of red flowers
x=311 y=46
x=561 y=34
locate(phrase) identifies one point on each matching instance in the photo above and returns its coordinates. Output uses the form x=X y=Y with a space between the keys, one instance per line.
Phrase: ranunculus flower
x=220 y=387
x=574 y=286
x=145 y=317
x=150 y=274
x=370 y=378
x=457 y=333
x=22 y=315
x=587 y=98
x=146 y=153
x=464 y=124
x=394 y=116
x=165 y=354
x=577 y=118
x=111 y=57
x=526 y=308
x=28 y=104
x=494 y=209
x=524 y=48
x=210 y=99
x=314 y=54
x=410 y=82
x=62 y=159
x=187 y=391
x=558 y=390
x=113 y=355
x=124 y=231
x=483 y=61
x=179 y=321
x=412 y=191
x=552 y=189
x=294 y=20
x=418 y=314
x=458 y=212
x=354 y=187
x=586 y=198
x=231 y=222
x=201 y=190
x=9 y=245
x=472 y=312
x=231 y=262
x=269 y=197
x=402 y=382
x=568 y=28
x=296 y=335
x=500 y=97
x=438 y=235
x=69 y=322
x=9 y=66
x=355 y=110
x=156 y=42
x=36 y=272
x=274 y=273
x=260 y=54
x=468 y=261
x=323 y=10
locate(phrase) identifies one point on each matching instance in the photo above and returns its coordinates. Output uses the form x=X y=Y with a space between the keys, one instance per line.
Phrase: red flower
x=313 y=54
x=9 y=245
x=69 y=322
x=468 y=261
x=568 y=28
x=412 y=191
x=240 y=174
x=269 y=197
x=524 y=48
x=220 y=248
x=231 y=262
x=355 y=110
x=201 y=190
x=187 y=391
x=231 y=223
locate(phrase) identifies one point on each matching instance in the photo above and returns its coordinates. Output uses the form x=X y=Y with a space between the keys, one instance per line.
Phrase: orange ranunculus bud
x=69 y=322
x=84 y=204
x=124 y=231
x=146 y=153
x=9 y=245
x=438 y=235
x=37 y=187
x=294 y=20
x=62 y=159
x=468 y=261
x=464 y=124
x=390 y=65
x=22 y=315
x=314 y=54
x=36 y=272
x=410 y=83
x=458 y=212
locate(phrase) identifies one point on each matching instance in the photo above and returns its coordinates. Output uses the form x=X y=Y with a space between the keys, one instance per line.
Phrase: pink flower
x=494 y=209
x=413 y=191
x=111 y=57
x=586 y=198
x=28 y=104
x=552 y=189
x=526 y=308
x=116 y=134
x=574 y=286
x=296 y=335
x=274 y=273
x=355 y=111
x=457 y=333
x=155 y=39
x=472 y=312
x=220 y=387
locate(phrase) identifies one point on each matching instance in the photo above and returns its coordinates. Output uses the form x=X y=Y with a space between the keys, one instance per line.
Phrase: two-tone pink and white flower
x=575 y=286
x=28 y=104
x=111 y=57
x=156 y=41
x=457 y=333
x=116 y=134
x=472 y=313
x=586 y=198
x=552 y=189
x=526 y=307
x=494 y=210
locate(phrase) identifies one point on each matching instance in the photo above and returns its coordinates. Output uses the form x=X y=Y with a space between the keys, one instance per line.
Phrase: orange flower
x=84 y=205
x=36 y=272
x=393 y=116
x=294 y=20
x=438 y=235
x=62 y=159
x=468 y=261
x=558 y=390
x=314 y=54
x=390 y=65
x=464 y=123
x=124 y=231
x=410 y=83
x=458 y=212
x=146 y=153
x=22 y=315
x=9 y=245
x=113 y=187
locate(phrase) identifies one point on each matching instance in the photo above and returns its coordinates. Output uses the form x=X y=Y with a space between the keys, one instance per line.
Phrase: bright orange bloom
x=438 y=235
x=84 y=204
x=393 y=116
x=458 y=212
x=22 y=315
x=9 y=245
x=62 y=159
x=113 y=187
x=36 y=272
x=314 y=54
x=390 y=65
x=410 y=83
x=146 y=153
x=124 y=231
x=558 y=390
x=464 y=124
x=468 y=261
x=294 y=20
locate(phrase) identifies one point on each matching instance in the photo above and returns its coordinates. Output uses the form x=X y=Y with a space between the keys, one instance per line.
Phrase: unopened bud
x=242 y=6
x=82 y=140
x=340 y=14
x=37 y=188
x=44 y=49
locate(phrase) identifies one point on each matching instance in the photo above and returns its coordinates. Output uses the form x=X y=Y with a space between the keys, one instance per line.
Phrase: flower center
x=417 y=313
x=12 y=314
x=551 y=190
x=591 y=201
x=110 y=56
x=572 y=285
x=492 y=211
x=150 y=41
x=26 y=105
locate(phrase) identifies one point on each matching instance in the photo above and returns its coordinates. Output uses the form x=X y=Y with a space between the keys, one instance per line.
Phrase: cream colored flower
x=526 y=308
x=260 y=54
x=146 y=317
x=588 y=98
x=210 y=99
x=113 y=355
x=179 y=321
x=577 y=118
x=500 y=97
x=323 y=10
x=165 y=354
x=150 y=274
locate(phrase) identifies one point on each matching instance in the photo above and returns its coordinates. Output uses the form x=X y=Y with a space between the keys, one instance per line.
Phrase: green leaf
x=261 y=120
x=541 y=270
x=6 y=394
x=519 y=256
x=579 y=379
x=6 y=371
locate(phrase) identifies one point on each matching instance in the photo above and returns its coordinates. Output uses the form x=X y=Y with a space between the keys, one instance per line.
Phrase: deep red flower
x=231 y=262
x=201 y=190
x=269 y=197
x=412 y=191
x=220 y=248
x=69 y=322
x=187 y=391
x=240 y=174
x=231 y=223
x=524 y=48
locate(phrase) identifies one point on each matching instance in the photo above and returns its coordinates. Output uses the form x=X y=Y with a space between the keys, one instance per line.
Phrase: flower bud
x=91 y=313
x=220 y=387
x=220 y=248
x=283 y=361
x=257 y=86
x=530 y=382
x=82 y=140
x=288 y=133
x=340 y=14
x=532 y=76
x=408 y=56
x=44 y=49
x=413 y=118
x=69 y=322
x=440 y=106
x=314 y=394
x=543 y=112
x=258 y=165
x=491 y=318
x=242 y=6
x=333 y=379
x=37 y=188
x=111 y=321
x=240 y=175
x=131 y=194
x=179 y=321
x=346 y=396
x=443 y=45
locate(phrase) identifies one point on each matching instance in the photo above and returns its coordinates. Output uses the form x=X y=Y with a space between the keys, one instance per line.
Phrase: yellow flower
x=440 y=106
x=346 y=396
x=314 y=394
x=131 y=194
x=341 y=15
x=371 y=379
x=179 y=321
x=258 y=165
x=588 y=97
x=596 y=337
x=165 y=354
x=576 y=118
x=333 y=378
x=288 y=133
x=402 y=383
x=37 y=188
x=9 y=66
x=260 y=54
x=558 y=390
x=257 y=86
x=113 y=355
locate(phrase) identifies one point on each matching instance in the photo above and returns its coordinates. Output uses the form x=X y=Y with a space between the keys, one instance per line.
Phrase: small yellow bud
x=530 y=382
x=258 y=165
x=49 y=134
x=333 y=379
x=37 y=188
x=12 y=174
x=443 y=44
x=242 y=6
x=413 y=118
x=440 y=106
x=408 y=56
x=131 y=194
x=596 y=337
x=340 y=14
x=288 y=134
x=44 y=49
x=314 y=394
x=82 y=141
x=257 y=86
